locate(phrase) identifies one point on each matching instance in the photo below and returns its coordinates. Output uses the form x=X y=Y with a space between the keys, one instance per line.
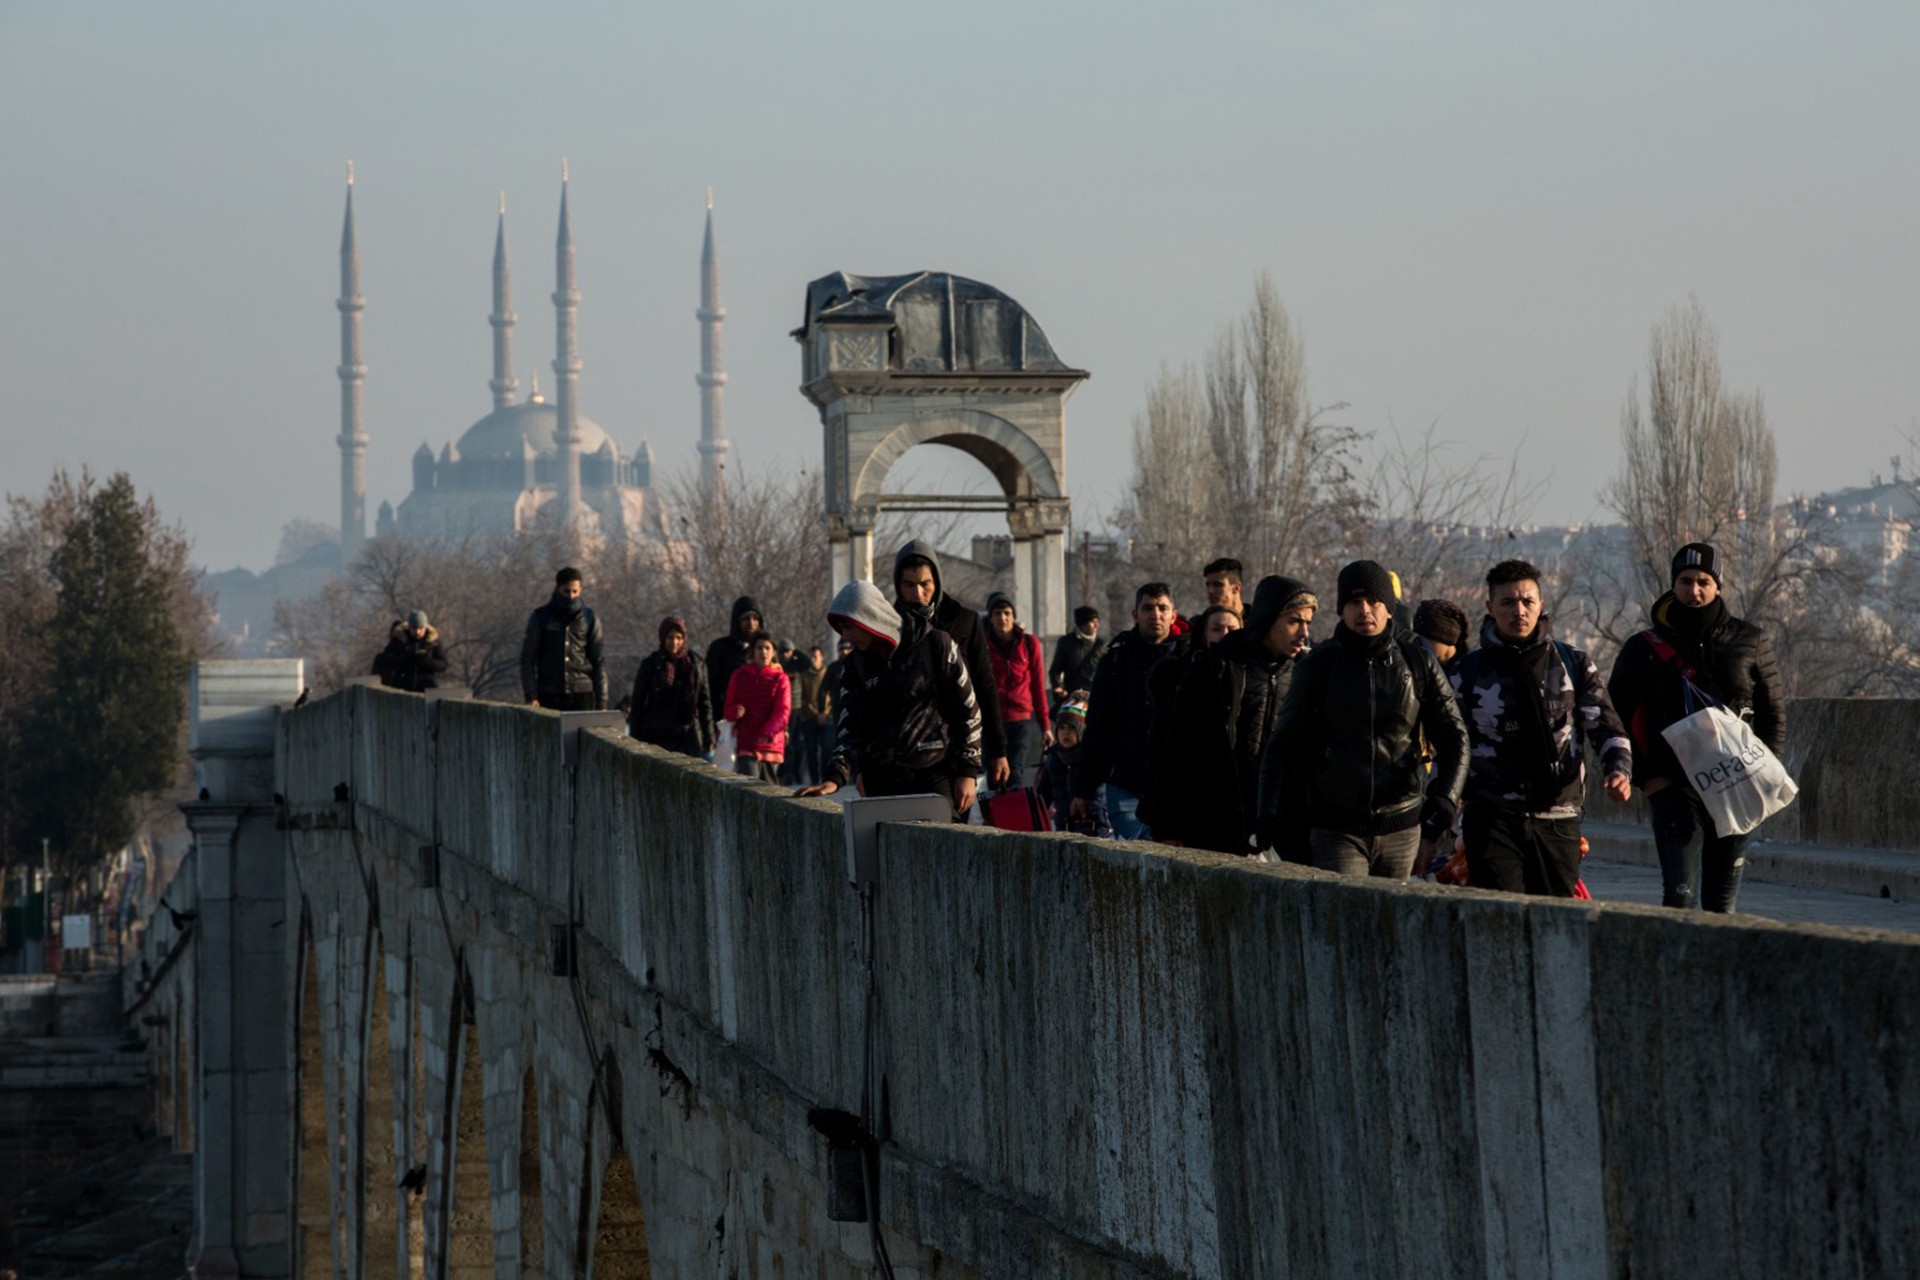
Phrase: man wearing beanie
x=1694 y=637
x=1076 y=655
x=1020 y=686
x=1223 y=713
x=1345 y=757
x=1532 y=705
x=907 y=720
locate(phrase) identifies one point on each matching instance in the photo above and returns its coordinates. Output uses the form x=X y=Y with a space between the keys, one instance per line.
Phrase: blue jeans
x=1023 y=742
x=1123 y=811
x=1697 y=866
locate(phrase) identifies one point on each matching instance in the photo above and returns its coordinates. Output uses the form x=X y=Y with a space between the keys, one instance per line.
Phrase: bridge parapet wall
x=1096 y=1059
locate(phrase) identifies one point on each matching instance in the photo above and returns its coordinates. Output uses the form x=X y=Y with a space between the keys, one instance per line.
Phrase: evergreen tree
x=104 y=728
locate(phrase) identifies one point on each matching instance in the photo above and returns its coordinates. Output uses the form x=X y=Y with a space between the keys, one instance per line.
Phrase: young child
x=758 y=702
x=1055 y=781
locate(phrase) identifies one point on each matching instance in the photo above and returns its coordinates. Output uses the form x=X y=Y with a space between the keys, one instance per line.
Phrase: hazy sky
x=1474 y=212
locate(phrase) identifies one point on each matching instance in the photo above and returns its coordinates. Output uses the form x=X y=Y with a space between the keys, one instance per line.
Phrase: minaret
x=566 y=364
x=504 y=384
x=353 y=377
x=713 y=382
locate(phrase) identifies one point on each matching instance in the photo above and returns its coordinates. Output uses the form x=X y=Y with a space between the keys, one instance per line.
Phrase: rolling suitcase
x=1017 y=809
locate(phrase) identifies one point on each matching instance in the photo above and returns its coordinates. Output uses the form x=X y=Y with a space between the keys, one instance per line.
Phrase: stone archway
x=932 y=358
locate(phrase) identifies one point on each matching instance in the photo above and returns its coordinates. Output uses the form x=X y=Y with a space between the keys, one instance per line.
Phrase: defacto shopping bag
x=1740 y=781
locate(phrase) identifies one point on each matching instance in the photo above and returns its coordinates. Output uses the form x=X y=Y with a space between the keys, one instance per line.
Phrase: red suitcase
x=1017 y=809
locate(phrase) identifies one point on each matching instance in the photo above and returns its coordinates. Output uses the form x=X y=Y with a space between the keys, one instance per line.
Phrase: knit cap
x=1441 y=621
x=861 y=604
x=1083 y=615
x=1697 y=555
x=1364 y=578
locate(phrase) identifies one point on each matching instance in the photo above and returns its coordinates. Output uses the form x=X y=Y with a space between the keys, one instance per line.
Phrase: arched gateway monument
x=932 y=358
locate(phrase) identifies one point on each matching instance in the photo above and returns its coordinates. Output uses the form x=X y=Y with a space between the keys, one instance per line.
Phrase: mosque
x=527 y=464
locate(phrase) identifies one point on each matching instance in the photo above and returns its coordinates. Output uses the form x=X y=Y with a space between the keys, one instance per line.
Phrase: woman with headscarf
x=672 y=703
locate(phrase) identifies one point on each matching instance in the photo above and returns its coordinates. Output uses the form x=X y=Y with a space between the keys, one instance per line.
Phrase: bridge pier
x=242 y=1198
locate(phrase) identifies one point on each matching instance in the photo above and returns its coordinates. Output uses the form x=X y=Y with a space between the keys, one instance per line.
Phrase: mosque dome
x=502 y=433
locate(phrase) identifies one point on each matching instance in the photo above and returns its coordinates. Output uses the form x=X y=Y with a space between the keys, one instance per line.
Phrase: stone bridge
x=464 y=1006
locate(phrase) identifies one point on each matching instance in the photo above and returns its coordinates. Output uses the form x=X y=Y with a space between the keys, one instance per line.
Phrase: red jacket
x=1020 y=678
x=762 y=732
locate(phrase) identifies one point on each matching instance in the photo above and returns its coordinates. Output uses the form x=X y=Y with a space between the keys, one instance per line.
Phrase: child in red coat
x=758 y=702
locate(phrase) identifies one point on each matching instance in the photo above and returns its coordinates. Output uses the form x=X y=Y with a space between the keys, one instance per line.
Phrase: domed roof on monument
x=504 y=433
x=943 y=321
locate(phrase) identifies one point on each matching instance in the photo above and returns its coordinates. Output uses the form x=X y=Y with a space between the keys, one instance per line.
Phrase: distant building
x=537 y=463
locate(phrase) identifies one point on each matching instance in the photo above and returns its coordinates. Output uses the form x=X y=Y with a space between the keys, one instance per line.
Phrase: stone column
x=850 y=534
x=242 y=1166
x=1040 y=566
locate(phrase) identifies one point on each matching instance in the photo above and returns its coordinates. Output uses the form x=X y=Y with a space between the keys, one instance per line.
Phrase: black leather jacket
x=1733 y=661
x=561 y=654
x=908 y=716
x=1346 y=747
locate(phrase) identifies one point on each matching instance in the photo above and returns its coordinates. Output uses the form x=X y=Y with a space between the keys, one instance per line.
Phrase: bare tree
x=1237 y=462
x=1699 y=465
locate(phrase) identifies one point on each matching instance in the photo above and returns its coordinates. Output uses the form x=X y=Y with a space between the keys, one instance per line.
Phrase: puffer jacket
x=905 y=716
x=963 y=626
x=1531 y=710
x=1733 y=661
x=1346 y=754
x=764 y=697
x=410 y=664
x=561 y=653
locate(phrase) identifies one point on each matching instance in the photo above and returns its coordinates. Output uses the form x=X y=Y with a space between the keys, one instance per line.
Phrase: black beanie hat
x=1441 y=621
x=1083 y=615
x=997 y=599
x=1365 y=578
x=1696 y=555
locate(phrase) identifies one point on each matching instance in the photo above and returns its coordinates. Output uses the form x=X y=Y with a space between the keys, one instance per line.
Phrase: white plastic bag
x=1740 y=781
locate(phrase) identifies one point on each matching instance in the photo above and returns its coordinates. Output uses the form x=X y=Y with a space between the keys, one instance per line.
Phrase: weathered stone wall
x=1093 y=1059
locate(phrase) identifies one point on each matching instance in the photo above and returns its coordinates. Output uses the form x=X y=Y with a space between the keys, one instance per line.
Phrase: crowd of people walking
x=1405 y=741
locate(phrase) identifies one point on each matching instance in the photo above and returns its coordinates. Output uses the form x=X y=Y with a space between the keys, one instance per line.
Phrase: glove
x=1436 y=817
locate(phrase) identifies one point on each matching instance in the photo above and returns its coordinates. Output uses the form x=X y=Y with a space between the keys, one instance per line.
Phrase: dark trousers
x=765 y=770
x=1698 y=867
x=1023 y=750
x=555 y=700
x=806 y=763
x=1516 y=853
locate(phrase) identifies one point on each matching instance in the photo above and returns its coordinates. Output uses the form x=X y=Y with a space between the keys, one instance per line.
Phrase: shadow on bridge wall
x=1095 y=1059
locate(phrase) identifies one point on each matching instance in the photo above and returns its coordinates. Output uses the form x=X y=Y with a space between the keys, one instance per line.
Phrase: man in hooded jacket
x=918 y=592
x=1346 y=757
x=906 y=719
x=1694 y=638
x=1223 y=714
x=728 y=654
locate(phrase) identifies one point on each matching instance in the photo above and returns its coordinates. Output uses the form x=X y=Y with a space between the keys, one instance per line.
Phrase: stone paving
x=125 y=1214
x=1627 y=882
